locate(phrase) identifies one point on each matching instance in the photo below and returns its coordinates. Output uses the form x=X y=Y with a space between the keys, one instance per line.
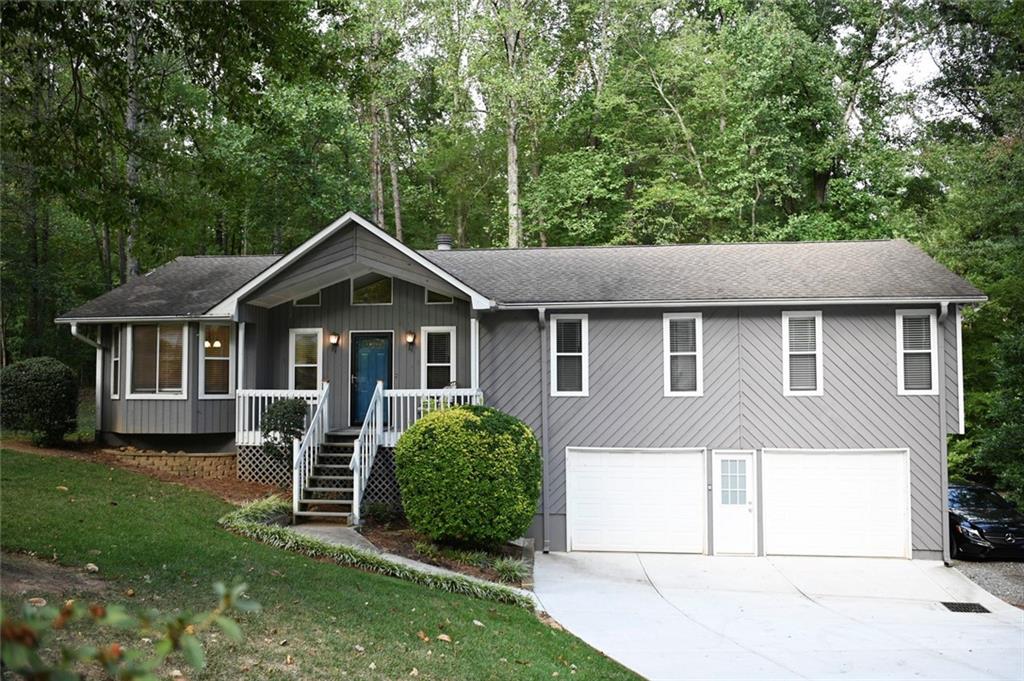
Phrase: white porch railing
x=252 y=403
x=389 y=414
x=305 y=451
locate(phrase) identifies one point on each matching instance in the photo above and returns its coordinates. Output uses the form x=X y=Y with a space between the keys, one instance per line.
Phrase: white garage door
x=635 y=500
x=827 y=503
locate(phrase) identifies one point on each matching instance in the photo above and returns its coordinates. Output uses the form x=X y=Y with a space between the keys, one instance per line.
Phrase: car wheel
x=954 y=549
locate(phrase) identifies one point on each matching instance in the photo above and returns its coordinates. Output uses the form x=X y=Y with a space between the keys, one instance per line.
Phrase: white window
x=435 y=298
x=734 y=482
x=371 y=289
x=305 y=356
x=157 y=361
x=115 y=363
x=801 y=353
x=216 y=361
x=437 y=357
x=683 y=354
x=917 y=364
x=570 y=355
x=309 y=301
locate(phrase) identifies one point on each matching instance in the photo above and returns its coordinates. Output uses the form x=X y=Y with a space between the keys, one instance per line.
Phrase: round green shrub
x=469 y=475
x=283 y=421
x=39 y=395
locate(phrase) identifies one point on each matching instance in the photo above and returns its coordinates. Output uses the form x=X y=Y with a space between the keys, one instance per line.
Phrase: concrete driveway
x=699 y=617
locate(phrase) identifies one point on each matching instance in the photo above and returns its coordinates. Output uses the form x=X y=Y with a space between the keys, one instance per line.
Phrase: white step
x=325 y=501
x=326 y=489
x=328 y=514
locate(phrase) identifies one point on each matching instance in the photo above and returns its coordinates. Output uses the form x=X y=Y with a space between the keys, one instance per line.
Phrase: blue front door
x=371 y=362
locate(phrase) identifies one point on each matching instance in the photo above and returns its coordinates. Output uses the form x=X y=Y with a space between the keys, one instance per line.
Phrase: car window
x=972 y=497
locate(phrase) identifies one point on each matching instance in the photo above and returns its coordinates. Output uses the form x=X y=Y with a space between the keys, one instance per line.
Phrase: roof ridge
x=213 y=255
x=637 y=246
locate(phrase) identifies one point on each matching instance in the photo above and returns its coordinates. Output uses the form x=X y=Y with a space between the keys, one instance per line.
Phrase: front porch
x=331 y=469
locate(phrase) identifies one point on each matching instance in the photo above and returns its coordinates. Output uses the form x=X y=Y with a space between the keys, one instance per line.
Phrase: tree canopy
x=138 y=131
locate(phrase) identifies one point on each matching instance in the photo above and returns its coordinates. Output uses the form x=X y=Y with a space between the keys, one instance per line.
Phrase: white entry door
x=734 y=494
x=649 y=500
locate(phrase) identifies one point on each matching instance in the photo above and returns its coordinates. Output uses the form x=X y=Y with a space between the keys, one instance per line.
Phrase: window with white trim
x=570 y=355
x=216 y=361
x=437 y=359
x=683 y=354
x=312 y=300
x=305 y=356
x=158 y=361
x=917 y=365
x=115 y=363
x=371 y=289
x=435 y=298
x=801 y=353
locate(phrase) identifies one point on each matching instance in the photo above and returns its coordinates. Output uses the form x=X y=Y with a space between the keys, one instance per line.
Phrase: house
x=771 y=398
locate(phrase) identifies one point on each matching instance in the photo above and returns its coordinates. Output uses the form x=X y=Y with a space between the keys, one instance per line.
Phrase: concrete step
x=325 y=514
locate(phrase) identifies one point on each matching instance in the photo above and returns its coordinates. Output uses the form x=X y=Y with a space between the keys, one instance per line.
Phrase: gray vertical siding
x=743 y=405
x=188 y=416
x=408 y=312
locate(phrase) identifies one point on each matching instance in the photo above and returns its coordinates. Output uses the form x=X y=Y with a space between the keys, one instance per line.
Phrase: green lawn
x=163 y=541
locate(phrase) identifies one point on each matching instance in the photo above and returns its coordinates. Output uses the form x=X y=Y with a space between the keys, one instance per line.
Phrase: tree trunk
x=515 y=213
x=132 y=164
x=396 y=198
x=460 y=226
x=821 y=180
x=376 y=180
x=538 y=218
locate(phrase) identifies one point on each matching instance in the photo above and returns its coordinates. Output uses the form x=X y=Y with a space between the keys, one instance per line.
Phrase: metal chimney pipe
x=444 y=242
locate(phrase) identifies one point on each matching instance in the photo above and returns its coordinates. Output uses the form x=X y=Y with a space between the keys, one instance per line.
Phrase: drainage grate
x=965 y=607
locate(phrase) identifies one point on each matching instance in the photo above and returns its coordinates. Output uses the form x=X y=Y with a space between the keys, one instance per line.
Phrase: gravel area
x=1002 y=579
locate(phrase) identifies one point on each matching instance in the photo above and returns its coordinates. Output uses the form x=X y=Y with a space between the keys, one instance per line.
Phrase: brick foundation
x=184 y=465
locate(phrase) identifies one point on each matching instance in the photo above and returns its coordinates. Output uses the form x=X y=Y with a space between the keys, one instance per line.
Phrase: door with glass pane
x=371 y=362
x=735 y=511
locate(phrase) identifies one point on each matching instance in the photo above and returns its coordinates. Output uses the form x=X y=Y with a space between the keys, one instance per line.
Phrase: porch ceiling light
x=410 y=338
x=333 y=338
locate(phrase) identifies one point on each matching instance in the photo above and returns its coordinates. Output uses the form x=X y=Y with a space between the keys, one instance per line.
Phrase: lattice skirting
x=256 y=466
x=382 y=487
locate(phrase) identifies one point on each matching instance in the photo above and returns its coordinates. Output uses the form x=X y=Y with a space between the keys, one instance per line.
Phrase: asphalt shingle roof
x=188 y=285
x=697 y=272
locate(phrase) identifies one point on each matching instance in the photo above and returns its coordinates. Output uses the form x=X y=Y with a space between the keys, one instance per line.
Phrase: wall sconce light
x=410 y=339
x=333 y=339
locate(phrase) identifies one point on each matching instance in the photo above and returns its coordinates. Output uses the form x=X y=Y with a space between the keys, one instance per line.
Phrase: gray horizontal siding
x=743 y=405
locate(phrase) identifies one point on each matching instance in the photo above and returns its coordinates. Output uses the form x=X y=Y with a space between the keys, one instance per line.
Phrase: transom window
x=115 y=363
x=734 y=481
x=435 y=298
x=801 y=353
x=437 y=357
x=216 y=354
x=683 y=354
x=309 y=301
x=305 y=355
x=569 y=355
x=371 y=289
x=158 y=361
x=916 y=359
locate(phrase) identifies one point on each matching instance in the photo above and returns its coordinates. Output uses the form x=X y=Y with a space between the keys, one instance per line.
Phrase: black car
x=982 y=524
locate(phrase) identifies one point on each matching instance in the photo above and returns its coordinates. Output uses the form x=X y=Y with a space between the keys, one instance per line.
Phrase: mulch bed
x=398 y=538
x=230 y=489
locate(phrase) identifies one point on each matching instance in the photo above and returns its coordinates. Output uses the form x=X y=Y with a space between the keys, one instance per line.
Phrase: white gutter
x=99 y=372
x=151 y=318
x=83 y=338
x=742 y=302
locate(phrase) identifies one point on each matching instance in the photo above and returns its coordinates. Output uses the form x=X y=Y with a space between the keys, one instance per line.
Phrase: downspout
x=99 y=371
x=544 y=439
x=940 y=352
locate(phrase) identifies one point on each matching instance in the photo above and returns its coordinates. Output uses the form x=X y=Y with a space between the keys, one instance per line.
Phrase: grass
x=163 y=542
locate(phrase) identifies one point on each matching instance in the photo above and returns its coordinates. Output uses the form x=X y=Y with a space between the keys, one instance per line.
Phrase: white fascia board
x=744 y=302
x=229 y=306
x=138 y=318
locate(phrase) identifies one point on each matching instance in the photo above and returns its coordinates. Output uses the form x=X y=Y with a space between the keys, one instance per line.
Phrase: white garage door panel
x=636 y=500
x=852 y=503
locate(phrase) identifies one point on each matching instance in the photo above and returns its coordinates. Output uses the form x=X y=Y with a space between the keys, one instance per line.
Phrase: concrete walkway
x=701 y=617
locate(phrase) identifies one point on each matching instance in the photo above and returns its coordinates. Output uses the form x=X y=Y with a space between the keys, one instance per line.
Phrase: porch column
x=474 y=352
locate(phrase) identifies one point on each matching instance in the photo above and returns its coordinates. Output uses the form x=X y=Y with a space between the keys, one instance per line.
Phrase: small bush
x=427 y=550
x=469 y=475
x=380 y=513
x=511 y=570
x=39 y=395
x=283 y=422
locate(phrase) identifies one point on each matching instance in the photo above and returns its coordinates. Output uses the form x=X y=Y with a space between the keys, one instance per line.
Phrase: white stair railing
x=252 y=403
x=371 y=436
x=405 y=407
x=305 y=451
